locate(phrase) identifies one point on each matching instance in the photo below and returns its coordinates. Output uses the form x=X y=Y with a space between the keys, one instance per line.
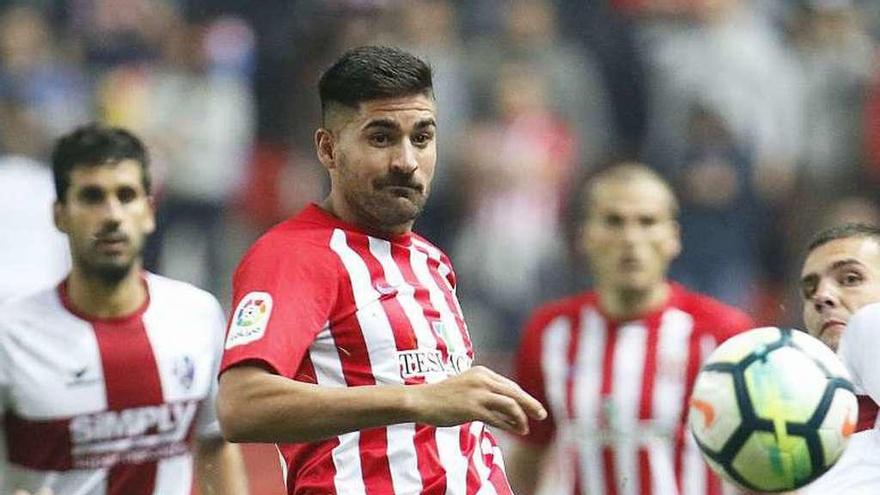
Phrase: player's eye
x=126 y=194
x=379 y=139
x=91 y=195
x=851 y=278
x=647 y=221
x=614 y=221
x=422 y=139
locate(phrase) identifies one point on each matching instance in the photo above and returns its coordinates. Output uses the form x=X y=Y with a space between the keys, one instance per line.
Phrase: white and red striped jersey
x=108 y=406
x=617 y=392
x=858 y=469
x=319 y=301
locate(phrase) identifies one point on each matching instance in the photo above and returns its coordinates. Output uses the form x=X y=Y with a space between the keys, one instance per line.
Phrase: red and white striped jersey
x=319 y=301
x=617 y=392
x=108 y=406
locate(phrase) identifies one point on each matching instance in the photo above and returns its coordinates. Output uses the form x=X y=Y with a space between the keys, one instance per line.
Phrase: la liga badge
x=250 y=319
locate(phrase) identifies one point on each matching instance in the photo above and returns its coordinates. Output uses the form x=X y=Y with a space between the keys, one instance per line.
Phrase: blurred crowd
x=764 y=113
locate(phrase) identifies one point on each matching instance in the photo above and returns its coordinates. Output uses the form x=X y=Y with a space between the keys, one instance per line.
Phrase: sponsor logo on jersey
x=132 y=435
x=250 y=319
x=82 y=376
x=418 y=363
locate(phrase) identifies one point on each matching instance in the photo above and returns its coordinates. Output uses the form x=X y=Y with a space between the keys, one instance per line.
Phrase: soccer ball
x=772 y=409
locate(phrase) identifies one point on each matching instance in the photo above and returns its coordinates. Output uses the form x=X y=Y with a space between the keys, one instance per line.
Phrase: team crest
x=250 y=319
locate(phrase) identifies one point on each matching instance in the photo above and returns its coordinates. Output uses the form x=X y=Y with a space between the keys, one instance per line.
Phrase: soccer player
x=347 y=346
x=839 y=282
x=615 y=365
x=107 y=382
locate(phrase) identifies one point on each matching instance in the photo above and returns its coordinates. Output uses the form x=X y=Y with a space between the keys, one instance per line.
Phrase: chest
x=66 y=367
x=620 y=377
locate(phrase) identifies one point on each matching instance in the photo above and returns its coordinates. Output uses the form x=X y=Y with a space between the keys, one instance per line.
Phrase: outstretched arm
x=257 y=406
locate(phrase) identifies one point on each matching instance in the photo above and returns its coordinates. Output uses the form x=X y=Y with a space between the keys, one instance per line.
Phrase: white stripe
x=483 y=471
x=695 y=474
x=283 y=465
x=455 y=464
x=382 y=349
x=673 y=353
x=587 y=390
x=174 y=475
x=555 y=369
x=346 y=458
x=626 y=392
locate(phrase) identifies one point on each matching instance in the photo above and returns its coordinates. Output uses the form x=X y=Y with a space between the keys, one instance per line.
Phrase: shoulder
x=860 y=327
x=568 y=307
x=709 y=312
x=292 y=240
x=164 y=290
x=26 y=311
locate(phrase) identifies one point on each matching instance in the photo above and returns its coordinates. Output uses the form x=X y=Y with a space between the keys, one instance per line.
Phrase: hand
x=478 y=394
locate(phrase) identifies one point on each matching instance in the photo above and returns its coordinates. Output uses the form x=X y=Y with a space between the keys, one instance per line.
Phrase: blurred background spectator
x=764 y=113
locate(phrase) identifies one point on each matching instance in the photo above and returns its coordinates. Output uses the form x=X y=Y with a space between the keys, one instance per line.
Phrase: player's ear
x=325 y=146
x=59 y=217
x=674 y=239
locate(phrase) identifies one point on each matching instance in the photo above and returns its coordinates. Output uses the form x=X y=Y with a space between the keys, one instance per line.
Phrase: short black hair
x=371 y=73
x=845 y=231
x=92 y=145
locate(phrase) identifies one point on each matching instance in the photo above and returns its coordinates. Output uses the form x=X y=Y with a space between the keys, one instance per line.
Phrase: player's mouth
x=832 y=323
x=111 y=242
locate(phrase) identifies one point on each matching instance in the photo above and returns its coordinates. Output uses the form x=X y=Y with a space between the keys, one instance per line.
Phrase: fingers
x=506 y=413
x=530 y=406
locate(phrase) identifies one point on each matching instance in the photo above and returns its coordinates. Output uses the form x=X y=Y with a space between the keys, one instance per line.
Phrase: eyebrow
x=391 y=124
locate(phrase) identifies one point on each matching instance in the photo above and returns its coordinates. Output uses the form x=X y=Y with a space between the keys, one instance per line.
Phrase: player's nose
x=824 y=298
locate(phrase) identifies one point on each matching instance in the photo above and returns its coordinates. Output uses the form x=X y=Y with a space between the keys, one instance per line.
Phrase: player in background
x=839 y=282
x=347 y=347
x=107 y=381
x=615 y=366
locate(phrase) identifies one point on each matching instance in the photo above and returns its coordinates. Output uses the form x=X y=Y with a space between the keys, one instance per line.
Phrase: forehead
x=404 y=110
x=641 y=195
x=864 y=250
x=125 y=172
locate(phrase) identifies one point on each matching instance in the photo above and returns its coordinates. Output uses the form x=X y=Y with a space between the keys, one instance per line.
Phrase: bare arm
x=256 y=406
x=524 y=467
x=220 y=468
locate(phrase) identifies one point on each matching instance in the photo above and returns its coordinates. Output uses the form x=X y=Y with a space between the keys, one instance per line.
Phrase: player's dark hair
x=373 y=72
x=845 y=231
x=92 y=145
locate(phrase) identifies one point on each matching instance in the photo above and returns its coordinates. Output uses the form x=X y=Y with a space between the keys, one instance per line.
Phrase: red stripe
x=608 y=461
x=428 y=455
x=466 y=440
x=694 y=358
x=867 y=413
x=27 y=441
x=131 y=378
x=646 y=487
x=449 y=296
x=571 y=360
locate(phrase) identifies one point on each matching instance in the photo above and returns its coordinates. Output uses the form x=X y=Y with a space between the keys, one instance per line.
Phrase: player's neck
x=96 y=297
x=343 y=211
x=622 y=305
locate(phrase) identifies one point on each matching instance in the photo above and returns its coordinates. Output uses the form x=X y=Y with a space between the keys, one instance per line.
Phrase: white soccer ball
x=772 y=409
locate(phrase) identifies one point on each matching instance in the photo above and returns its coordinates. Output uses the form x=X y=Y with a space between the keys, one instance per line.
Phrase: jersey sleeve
x=5 y=374
x=282 y=298
x=529 y=374
x=207 y=425
x=859 y=346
